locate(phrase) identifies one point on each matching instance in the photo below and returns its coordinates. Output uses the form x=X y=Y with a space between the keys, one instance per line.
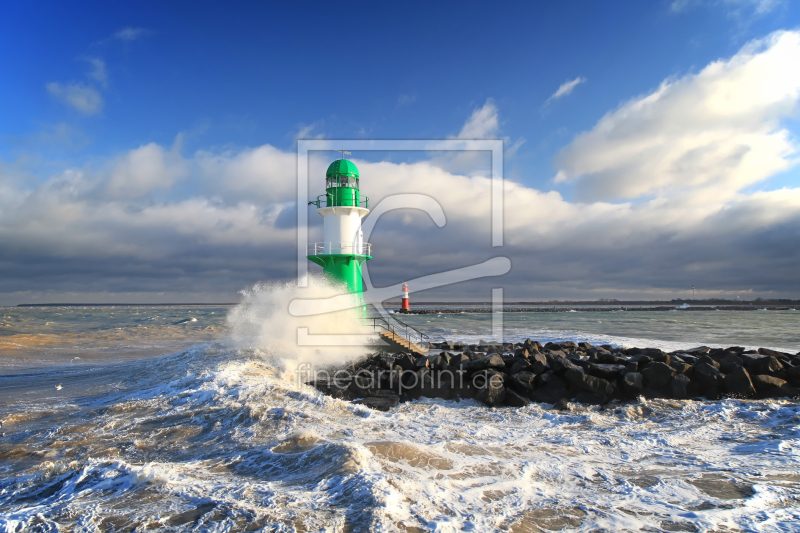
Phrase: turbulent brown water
x=160 y=418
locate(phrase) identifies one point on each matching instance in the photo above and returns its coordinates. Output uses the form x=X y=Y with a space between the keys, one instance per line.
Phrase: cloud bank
x=711 y=133
x=663 y=180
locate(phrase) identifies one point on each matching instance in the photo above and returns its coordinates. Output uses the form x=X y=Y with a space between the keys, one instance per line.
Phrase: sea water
x=185 y=419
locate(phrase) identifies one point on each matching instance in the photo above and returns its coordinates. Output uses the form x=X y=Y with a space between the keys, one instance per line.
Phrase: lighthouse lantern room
x=342 y=207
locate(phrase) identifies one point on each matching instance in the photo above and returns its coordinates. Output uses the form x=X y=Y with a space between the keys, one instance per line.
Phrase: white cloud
x=77 y=95
x=734 y=6
x=98 y=72
x=144 y=170
x=566 y=88
x=306 y=131
x=151 y=220
x=130 y=34
x=406 y=99
x=714 y=132
x=482 y=124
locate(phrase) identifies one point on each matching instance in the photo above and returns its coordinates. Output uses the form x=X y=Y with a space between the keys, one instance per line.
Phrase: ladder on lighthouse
x=400 y=336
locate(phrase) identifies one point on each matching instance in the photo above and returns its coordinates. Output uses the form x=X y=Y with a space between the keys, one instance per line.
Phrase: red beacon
x=404 y=305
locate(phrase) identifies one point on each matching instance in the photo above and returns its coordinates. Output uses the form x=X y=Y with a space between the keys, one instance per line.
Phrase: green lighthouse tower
x=342 y=207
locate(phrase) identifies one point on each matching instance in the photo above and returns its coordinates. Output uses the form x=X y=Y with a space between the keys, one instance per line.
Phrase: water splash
x=263 y=325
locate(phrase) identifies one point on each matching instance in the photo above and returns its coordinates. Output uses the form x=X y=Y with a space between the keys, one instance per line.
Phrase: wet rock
x=776 y=354
x=738 y=382
x=493 y=392
x=562 y=405
x=631 y=367
x=590 y=398
x=707 y=375
x=522 y=382
x=763 y=382
x=699 y=350
x=515 y=400
x=605 y=371
x=519 y=364
x=658 y=374
x=589 y=383
x=460 y=362
x=560 y=365
x=611 y=359
x=766 y=365
x=729 y=363
x=709 y=361
x=491 y=361
x=539 y=363
x=382 y=402
x=780 y=392
x=679 y=386
x=633 y=383
x=406 y=361
x=749 y=359
x=681 y=368
x=550 y=392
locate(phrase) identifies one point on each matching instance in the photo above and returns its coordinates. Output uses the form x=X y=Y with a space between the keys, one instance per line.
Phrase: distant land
x=601 y=302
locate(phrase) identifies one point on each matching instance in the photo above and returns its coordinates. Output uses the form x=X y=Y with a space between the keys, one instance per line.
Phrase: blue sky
x=85 y=85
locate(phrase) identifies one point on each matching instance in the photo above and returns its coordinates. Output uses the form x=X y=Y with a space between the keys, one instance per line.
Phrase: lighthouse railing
x=401 y=329
x=339 y=248
x=325 y=198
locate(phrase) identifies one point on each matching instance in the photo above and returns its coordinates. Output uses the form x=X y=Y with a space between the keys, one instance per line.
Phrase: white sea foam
x=284 y=456
x=262 y=323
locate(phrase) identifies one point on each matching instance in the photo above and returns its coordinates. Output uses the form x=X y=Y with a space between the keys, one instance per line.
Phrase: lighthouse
x=404 y=301
x=342 y=207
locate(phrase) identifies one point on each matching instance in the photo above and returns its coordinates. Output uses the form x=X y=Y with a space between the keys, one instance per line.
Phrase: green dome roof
x=342 y=168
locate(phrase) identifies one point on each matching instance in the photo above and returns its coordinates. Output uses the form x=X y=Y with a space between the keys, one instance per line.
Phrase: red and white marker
x=404 y=305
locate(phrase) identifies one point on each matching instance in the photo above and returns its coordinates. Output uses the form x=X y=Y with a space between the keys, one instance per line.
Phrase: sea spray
x=262 y=324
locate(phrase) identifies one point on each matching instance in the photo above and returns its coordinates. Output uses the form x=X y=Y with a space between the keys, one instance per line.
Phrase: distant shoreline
x=124 y=305
x=671 y=304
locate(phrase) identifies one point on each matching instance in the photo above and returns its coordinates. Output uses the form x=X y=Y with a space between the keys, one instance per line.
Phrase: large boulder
x=560 y=365
x=522 y=382
x=679 y=386
x=382 y=400
x=729 y=362
x=776 y=354
x=764 y=382
x=460 y=362
x=766 y=365
x=539 y=363
x=590 y=398
x=491 y=390
x=633 y=383
x=658 y=374
x=605 y=371
x=707 y=375
x=518 y=365
x=709 y=361
x=589 y=383
x=738 y=382
x=491 y=361
x=406 y=361
x=551 y=391
x=515 y=400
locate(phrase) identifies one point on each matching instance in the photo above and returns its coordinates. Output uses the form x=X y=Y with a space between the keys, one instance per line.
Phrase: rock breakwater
x=515 y=374
x=603 y=309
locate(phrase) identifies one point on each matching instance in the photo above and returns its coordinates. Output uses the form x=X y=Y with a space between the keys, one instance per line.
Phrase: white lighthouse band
x=341 y=229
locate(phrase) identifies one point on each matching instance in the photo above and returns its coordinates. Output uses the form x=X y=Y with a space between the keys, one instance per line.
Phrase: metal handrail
x=344 y=248
x=401 y=329
x=318 y=202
